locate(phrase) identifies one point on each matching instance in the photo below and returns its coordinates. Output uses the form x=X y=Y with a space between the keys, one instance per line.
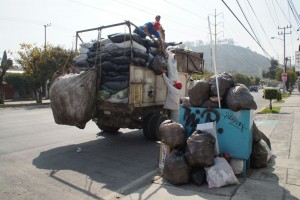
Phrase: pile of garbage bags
x=101 y=73
x=113 y=57
x=204 y=93
x=194 y=159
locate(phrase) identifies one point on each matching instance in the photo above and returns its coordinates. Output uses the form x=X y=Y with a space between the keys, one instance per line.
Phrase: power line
x=247 y=20
x=268 y=39
x=265 y=52
x=275 y=12
x=270 y=13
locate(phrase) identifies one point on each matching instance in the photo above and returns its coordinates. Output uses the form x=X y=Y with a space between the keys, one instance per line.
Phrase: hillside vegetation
x=234 y=59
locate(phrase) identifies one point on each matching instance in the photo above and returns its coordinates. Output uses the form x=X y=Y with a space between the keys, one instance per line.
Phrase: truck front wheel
x=109 y=129
x=151 y=125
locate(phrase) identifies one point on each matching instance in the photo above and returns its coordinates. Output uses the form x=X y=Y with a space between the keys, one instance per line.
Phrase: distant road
x=260 y=101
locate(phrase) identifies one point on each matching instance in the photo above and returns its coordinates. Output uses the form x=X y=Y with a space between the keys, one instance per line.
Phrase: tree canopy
x=40 y=64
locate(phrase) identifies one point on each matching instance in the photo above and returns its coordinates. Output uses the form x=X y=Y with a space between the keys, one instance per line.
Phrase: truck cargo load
x=130 y=91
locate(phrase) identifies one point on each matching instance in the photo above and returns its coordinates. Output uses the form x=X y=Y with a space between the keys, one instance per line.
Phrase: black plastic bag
x=259 y=156
x=199 y=91
x=198 y=175
x=225 y=81
x=200 y=149
x=176 y=169
x=172 y=133
x=239 y=98
x=258 y=135
x=158 y=64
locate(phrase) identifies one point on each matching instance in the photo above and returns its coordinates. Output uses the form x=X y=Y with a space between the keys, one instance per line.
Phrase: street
x=40 y=159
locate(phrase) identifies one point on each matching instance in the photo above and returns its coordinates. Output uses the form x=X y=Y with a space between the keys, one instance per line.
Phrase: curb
x=22 y=105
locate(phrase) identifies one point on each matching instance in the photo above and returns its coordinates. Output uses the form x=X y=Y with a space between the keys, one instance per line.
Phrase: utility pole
x=45 y=26
x=284 y=74
x=284 y=33
x=215 y=34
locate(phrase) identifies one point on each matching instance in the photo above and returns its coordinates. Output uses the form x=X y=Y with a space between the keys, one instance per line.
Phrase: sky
x=27 y=21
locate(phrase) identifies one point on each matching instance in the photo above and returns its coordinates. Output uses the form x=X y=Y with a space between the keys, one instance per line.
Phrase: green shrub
x=270 y=93
x=279 y=96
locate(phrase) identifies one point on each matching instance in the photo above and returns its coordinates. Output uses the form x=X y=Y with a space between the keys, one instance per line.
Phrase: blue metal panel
x=234 y=129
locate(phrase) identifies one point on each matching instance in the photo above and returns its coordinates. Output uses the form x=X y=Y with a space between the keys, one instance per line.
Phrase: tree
x=5 y=65
x=291 y=77
x=273 y=68
x=39 y=64
x=241 y=78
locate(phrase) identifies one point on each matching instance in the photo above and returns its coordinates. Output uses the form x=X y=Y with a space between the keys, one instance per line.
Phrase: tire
x=146 y=126
x=151 y=125
x=109 y=129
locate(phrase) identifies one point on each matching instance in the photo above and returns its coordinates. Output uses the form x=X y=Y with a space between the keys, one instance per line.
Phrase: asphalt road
x=40 y=159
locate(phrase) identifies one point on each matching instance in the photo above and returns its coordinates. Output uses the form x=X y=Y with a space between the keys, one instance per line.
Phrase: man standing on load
x=150 y=29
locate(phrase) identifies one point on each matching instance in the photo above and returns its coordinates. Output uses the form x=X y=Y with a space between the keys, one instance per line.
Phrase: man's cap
x=178 y=85
x=156 y=26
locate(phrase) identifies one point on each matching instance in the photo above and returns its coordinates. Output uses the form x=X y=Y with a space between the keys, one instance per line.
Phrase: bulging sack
x=200 y=149
x=225 y=81
x=239 y=98
x=199 y=91
x=176 y=169
x=72 y=98
x=172 y=134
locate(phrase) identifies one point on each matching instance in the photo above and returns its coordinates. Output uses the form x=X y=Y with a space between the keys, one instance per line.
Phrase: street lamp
x=283 y=76
x=46 y=25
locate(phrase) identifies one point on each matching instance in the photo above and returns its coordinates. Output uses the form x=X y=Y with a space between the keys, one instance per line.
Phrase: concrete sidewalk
x=13 y=103
x=279 y=180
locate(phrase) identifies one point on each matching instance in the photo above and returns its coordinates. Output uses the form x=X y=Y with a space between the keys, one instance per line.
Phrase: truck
x=146 y=91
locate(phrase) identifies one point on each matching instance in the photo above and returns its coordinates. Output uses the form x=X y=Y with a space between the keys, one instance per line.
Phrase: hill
x=234 y=59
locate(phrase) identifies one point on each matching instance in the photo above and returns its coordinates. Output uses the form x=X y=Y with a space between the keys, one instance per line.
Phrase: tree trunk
x=38 y=95
x=1 y=91
x=270 y=104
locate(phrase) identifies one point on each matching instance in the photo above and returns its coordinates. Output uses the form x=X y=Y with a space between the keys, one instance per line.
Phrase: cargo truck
x=146 y=92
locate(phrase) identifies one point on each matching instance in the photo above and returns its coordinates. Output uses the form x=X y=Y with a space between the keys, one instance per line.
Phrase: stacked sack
x=193 y=158
x=203 y=93
x=113 y=56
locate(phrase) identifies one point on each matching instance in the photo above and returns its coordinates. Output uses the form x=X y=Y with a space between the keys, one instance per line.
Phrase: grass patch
x=285 y=95
x=275 y=110
x=275 y=101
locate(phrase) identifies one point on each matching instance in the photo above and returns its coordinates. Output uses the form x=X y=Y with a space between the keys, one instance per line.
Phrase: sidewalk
x=279 y=180
x=13 y=103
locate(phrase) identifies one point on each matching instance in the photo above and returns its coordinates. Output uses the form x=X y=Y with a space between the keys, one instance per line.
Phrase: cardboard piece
x=164 y=151
x=210 y=127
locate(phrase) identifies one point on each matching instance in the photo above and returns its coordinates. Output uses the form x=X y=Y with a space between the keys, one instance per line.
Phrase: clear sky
x=184 y=20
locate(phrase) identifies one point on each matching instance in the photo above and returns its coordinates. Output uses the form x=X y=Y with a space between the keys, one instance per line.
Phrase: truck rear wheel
x=109 y=129
x=151 y=125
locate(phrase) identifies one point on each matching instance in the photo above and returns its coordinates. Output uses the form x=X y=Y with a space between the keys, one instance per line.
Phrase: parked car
x=253 y=88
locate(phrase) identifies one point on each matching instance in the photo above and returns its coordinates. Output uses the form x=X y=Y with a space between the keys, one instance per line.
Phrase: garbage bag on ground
x=73 y=98
x=172 y=133
x=258 y=135
x=199 y=91
x=198 y=175
x=176 y=169
x=225 y=81
x=200 y=149
x=220 y=174
x=259 y=156
x=239 y=98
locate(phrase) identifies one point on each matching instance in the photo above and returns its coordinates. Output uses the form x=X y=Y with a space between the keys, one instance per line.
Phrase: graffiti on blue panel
x=234 y=121
x=192 y=117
